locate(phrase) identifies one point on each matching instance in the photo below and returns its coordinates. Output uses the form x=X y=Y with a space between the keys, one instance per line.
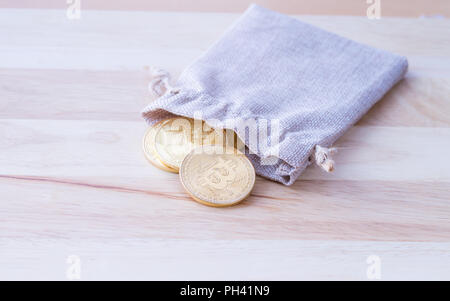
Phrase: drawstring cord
x=160 y=82
x=323 y=157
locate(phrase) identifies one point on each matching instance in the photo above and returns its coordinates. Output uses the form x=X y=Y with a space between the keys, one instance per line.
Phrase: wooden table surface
x=73 y=180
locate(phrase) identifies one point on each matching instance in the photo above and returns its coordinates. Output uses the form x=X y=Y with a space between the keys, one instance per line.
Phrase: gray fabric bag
x=309 y=84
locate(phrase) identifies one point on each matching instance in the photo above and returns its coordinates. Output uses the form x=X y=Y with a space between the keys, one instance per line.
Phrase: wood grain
x=73 y=179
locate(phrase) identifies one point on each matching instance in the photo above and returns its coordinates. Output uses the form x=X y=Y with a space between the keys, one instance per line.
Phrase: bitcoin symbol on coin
x=215 y=176
x=220 y=175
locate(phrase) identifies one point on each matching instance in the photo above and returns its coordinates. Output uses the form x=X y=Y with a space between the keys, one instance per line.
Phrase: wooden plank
x=73 y=94
x=121 y=95
x=80 y=147
x=95 y=41
x=418 y=101
x=136 y=207
x=130 y=259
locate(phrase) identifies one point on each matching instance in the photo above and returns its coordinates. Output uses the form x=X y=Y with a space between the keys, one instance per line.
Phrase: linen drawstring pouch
x=302 y=86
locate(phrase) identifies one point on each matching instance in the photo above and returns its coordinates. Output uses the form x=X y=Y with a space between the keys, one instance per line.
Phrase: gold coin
x=148 y=146
x=176 y=137
x=217 y=176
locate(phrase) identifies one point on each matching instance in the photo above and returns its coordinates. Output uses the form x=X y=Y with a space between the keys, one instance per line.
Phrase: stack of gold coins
x=211 y=169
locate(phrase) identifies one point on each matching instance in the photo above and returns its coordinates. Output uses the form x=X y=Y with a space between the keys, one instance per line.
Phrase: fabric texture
x=269 y=66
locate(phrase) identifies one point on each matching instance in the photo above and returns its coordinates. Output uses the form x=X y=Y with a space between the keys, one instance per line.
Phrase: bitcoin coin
x=176 y=137
x=148 y=146
x=217 y=176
